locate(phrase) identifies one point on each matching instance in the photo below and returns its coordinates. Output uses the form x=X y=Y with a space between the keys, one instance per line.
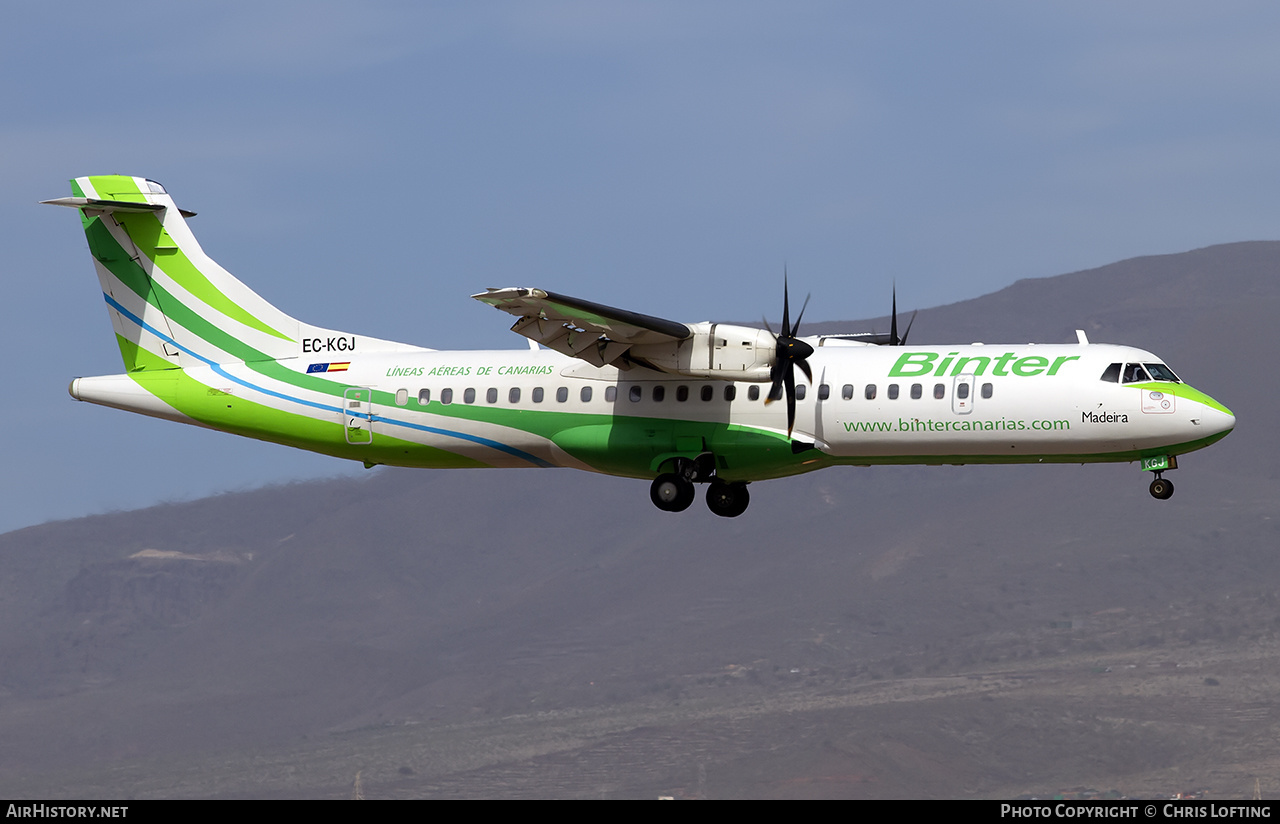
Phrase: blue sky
x=367 y=166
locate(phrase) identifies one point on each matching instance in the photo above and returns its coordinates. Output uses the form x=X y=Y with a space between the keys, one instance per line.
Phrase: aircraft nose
x=1218 y=420
x=1226 y=422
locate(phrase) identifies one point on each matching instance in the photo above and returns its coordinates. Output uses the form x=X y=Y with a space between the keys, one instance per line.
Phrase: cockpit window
x=1160 y=372
x=1112 y=374
x=1134 y=373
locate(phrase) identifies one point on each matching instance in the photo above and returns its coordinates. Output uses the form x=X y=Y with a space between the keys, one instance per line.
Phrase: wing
x=595 y=333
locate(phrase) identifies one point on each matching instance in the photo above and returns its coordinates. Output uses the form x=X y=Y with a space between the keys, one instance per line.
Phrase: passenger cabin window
x=800 y=391
x=446 y=396
x=513 y=396
x=871 y=392
x=1134 y=373
x=824 y=391
x=585 y=394
x=917 y=391
x=682 y=393
x=402 y=397
x=708 y=393
x=987 y=390
x=1112 y=373
x=562 y=394
x=610 y=394
x=775 y=394
x=753 y=393
x=634 y=394
x=962 y=391
x=424 y=397
x=939 y=391
x=468 y=395
x=893 y=391
x=659 y=393
x=537 y=394
x=730 y=392
x=491 y=396
x=846 y=391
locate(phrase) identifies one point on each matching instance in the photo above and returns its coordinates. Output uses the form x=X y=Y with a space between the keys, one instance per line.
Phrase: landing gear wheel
x=727 y=500
x=1162 y=489
x=671 y=493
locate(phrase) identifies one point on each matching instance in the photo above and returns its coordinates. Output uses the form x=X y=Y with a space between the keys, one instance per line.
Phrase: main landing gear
x=671 y=493
x=727 y=500
x=674 y=491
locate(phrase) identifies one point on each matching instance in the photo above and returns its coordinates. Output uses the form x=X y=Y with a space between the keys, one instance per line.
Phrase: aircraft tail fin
x=171 y=304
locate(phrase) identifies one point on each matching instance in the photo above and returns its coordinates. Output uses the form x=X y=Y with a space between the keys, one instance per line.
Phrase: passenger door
x=358 y=414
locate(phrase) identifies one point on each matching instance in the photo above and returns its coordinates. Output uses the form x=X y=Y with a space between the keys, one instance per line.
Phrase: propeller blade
x=786 y=305
x=796 y=330
x=775 y=385
x=790 y=381
x=894 y=340
x=804 y=367
x=908 y=332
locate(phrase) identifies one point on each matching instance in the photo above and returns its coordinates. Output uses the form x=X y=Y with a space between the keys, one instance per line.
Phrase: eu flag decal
x=329 y=367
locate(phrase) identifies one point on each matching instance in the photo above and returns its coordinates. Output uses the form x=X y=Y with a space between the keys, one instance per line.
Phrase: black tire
x=1161 y=489
x=671 y=493
x=727 y=500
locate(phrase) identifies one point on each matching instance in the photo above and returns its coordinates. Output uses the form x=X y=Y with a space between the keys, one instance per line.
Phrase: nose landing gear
x=1159 y=464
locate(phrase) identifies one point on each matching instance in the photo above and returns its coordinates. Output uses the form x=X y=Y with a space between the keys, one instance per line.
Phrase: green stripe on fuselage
x=637 y=447
x=227 y=412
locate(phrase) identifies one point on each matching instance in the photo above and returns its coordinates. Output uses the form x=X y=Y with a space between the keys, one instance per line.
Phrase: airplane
x=604 y=389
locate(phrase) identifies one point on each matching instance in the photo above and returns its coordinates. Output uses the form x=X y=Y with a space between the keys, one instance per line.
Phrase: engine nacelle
x=716 y=350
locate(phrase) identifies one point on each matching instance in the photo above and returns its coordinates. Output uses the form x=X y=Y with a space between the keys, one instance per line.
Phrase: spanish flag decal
x=328 y=367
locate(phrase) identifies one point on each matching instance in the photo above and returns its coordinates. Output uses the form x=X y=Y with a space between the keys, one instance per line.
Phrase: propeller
x=881 y=339
x=894 y=340
x=789 y=353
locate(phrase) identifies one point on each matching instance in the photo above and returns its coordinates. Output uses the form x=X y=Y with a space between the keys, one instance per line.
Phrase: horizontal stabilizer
x=110 y=205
